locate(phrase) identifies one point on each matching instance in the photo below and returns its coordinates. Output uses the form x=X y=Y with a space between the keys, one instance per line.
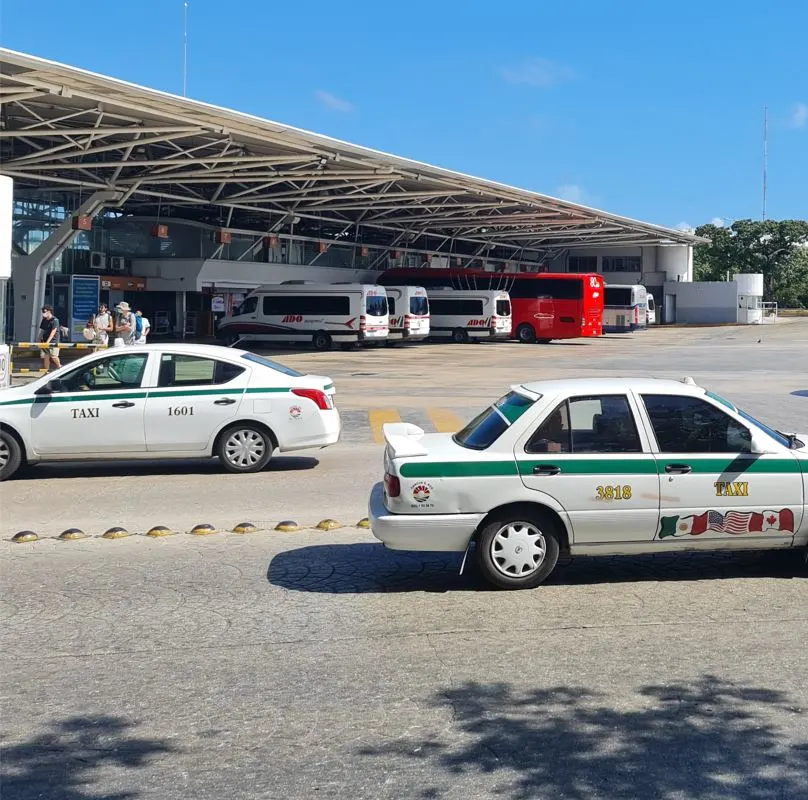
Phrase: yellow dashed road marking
x=377 y=417
x=444 y=421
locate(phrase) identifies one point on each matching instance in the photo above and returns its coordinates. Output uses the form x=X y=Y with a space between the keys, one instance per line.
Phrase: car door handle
x=123 y=404
x=224 y=401
x=678 y=469
x=546 y=469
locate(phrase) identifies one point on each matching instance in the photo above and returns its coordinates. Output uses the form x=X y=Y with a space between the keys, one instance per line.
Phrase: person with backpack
x=142 y=327
x=124 y=324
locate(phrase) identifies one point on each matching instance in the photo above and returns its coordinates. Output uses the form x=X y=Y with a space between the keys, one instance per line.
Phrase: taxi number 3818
x=180 y=411
x=614 y=492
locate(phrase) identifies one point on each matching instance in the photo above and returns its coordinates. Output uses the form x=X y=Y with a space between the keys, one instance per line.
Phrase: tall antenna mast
x=765 y=154
x=185 y=49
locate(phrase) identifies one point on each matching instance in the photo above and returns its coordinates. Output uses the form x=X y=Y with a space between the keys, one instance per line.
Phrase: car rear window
x=503 y=308
x=419 y=306
x=375 y=306
x=265 y=362
x=488 y=426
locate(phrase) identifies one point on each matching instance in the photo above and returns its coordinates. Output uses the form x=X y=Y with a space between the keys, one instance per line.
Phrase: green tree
x=777 y=249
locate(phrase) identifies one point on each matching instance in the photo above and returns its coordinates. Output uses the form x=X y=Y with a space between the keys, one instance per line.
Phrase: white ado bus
x=462 y=315
x=625 y=308
x=408 y=307
x=301 y=311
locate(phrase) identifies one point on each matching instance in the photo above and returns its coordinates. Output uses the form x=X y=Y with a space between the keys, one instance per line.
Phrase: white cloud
x=686 y=227
x=332 y=102
x=799 y=116
x=538 y=72
x=717 y=221
x=575 y=194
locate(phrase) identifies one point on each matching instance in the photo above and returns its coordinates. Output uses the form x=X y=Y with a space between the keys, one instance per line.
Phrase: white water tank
x=676 y=261
x=750 y=283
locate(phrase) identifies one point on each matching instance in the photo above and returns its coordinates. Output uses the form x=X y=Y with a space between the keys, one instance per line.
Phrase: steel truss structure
x=64 y=131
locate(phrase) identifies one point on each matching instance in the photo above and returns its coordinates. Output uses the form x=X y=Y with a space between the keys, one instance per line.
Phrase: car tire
x=10 y=455
x=460 y=336
x=230 y=339
x=526 y=334
x=244 y=448
x=321 y=341
x=518 y=549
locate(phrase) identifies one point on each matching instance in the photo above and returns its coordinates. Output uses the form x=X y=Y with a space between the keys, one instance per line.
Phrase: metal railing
x=768 y=313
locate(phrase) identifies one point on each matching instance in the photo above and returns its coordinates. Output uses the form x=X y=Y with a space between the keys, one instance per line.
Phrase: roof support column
x=29 y=271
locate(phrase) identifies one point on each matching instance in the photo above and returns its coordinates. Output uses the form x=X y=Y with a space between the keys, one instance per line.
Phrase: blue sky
x=653 y=110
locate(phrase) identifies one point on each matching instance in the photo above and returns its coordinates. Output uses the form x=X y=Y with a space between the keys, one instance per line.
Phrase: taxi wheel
x=518 y=550
x=10 y=455
x=525 y=333
x=244 y=448
x=321 y=341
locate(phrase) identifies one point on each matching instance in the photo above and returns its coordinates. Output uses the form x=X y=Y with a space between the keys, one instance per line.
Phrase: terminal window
x=622 y=263
x=582 y=264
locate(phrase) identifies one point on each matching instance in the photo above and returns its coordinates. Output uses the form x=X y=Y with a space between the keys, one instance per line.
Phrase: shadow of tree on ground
x=62 y=763
x=709 y=739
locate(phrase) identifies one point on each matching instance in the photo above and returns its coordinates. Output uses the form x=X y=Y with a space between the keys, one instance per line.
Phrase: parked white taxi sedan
x=591 y=467
x=167 y=401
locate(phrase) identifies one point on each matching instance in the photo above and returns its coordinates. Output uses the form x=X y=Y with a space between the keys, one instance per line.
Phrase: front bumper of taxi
x=422 y=532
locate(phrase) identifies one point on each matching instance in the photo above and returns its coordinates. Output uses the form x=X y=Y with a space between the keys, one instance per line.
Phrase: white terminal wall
x=705 y=302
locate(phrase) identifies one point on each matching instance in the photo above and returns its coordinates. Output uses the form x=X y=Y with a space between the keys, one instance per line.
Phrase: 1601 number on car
x=180 y=411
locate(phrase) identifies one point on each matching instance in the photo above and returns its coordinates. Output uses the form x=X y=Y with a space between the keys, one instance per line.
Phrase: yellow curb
x=328 y=525
x=245 y=527
x=116 y=533
x=71 y=534
x=203 y=529
x=287 y=526
x=363 y=523
x=159 y=530
x=24 y=536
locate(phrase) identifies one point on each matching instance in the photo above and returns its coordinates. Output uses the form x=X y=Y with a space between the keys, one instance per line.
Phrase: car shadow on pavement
x=63 y=761
x=369 y=568
x=703 y=738
x=120 y=469
x=800 y=393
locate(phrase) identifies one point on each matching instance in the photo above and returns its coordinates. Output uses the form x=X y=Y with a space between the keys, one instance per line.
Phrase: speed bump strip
x=203 y=529
x=24 y=536
x=287 y=526
x=71 y=534
x=328 y=525
x=363 y=523
x=116 y=533
x=159 y=530
x=245 y=527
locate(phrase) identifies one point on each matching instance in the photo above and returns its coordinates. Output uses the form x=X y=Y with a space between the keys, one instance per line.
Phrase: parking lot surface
x=308 y=664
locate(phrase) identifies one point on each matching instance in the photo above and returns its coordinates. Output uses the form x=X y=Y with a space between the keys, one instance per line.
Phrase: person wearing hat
x=124 y=324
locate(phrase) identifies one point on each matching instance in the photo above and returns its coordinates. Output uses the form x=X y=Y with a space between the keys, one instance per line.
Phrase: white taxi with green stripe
x=591 y=467
x=167 y=401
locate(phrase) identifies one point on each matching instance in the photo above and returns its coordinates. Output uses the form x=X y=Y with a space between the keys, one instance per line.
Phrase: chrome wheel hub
x=244 y=448
x=518 y=549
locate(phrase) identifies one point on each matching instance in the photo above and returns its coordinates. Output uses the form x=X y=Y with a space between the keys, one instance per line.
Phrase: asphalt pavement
x=318 y=664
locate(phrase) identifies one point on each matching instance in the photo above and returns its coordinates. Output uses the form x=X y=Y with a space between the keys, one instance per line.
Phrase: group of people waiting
x=124 y=326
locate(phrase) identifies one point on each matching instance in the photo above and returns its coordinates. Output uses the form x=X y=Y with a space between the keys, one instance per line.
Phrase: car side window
x=116 y=372
x=692 y=425
x=590 y=424
x=177 y=369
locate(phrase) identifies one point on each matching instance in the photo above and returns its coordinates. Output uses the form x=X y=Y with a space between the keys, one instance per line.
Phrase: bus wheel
x=460 y=335
x=321 y=341
x=525 y=333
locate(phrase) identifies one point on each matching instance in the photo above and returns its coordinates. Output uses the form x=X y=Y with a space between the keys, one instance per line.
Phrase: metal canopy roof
x=66 y=130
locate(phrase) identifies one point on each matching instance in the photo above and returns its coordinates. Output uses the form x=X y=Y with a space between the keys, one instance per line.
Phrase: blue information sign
x=84 y=293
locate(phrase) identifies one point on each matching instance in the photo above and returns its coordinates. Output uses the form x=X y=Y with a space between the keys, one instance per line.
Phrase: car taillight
x=362 y=323
x=318 y=397
x=392 y=485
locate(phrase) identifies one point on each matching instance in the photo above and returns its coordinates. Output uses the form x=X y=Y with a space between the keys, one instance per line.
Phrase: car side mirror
x=760 y=444
x=50 y=387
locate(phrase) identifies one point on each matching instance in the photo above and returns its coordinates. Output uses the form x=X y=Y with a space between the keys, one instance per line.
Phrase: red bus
x=544 y=305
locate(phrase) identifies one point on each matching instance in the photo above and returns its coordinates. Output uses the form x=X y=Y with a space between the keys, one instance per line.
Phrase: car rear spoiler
x=403 y=439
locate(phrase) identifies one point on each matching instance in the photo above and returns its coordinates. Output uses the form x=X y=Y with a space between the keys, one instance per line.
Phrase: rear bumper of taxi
x=423 y=532
x=321 y=431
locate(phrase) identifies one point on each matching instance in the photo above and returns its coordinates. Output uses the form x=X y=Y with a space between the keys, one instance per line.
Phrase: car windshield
x=776 y=435
x=265 y=362
x=488 y=426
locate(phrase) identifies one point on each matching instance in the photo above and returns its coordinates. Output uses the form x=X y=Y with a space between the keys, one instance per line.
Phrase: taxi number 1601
x=614 y=492
x=180 y=411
